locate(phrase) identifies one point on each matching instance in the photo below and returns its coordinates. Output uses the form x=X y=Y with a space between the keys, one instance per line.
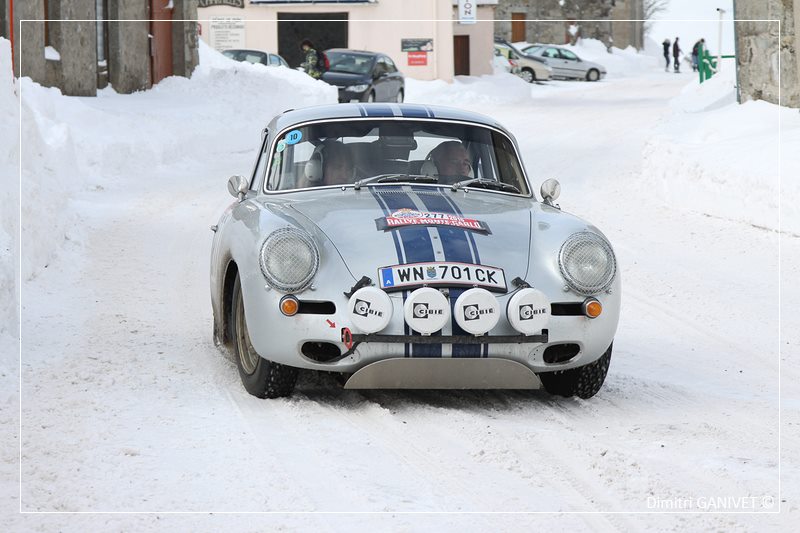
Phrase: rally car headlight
x=357 y=88
x=587 y=262
x=289 y=259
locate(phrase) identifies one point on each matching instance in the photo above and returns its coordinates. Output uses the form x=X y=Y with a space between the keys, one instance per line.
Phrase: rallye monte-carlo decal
x=440 y=273
x=414 y=217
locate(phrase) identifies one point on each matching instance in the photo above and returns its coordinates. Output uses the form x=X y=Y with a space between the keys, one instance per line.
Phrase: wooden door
x=161 y=40
x=461 y=55
x=518 y=27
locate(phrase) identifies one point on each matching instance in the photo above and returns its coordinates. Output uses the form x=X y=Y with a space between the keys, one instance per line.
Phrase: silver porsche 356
x=401 y=246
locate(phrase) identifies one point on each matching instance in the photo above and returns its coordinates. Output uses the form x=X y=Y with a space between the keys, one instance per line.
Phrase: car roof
x=357 y=52
x=245 y=50
x=379 y=110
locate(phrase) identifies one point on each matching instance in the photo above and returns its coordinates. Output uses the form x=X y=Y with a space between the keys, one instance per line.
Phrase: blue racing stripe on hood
x=457 y=248
x=416 y=247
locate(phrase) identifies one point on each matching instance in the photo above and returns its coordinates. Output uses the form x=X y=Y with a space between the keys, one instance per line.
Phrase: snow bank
x=495 y=89
x=619 y=63
x=9 y=212
x=716 y=157
x=220 y=110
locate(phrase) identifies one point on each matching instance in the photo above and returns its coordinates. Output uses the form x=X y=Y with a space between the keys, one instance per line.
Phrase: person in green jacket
x=311 y=64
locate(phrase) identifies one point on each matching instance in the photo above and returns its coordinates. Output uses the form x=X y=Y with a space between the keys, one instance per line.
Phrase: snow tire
x=583 y=382
x=260 y=377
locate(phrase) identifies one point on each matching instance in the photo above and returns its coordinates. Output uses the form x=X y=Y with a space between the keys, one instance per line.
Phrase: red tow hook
x=347 y=338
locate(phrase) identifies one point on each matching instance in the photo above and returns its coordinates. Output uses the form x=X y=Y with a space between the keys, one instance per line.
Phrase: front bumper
x=287 y=340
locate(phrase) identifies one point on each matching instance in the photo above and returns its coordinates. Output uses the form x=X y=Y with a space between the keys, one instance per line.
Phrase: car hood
x=344 y=78
x=354 y=222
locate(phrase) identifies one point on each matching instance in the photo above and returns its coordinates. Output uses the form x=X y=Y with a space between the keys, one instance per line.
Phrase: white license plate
x=442 y=274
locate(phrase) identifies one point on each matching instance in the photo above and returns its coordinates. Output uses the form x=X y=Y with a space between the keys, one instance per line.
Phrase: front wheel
x=583 y=382
x=593 y=75
x=371 y=97
x=527 y=75
x=260 y=377
x=399 y=98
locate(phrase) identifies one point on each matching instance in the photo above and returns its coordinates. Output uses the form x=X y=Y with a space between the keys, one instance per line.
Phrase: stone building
x=550 y=21
x=765 y=50
x=77 y=46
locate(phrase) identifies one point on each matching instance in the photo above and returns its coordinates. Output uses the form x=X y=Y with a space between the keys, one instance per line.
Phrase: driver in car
x=452 y=159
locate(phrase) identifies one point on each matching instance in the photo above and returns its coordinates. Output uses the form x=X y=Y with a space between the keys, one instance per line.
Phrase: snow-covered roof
x=291 y=117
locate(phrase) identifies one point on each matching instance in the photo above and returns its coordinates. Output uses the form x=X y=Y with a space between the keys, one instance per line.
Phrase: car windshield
x=350 y=63
x=532 y=49
x=369 y=151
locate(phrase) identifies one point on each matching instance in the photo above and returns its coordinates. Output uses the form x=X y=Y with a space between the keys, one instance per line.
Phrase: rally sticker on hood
x=439 y=273
x=413 y=217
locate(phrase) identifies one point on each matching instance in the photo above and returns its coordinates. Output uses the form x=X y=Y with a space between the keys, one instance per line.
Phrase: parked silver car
x=565 y=63
x=530 y=69
x=256 y=57
x=402 y=246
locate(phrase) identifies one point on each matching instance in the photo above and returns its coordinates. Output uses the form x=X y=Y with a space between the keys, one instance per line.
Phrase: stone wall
x=184 y=38
x=128 y=46
x=29 y=47
x=552 y=14
x=76 y=42
x=765 y=49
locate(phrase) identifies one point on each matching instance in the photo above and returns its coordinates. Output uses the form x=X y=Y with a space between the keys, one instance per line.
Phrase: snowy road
x=128 y=406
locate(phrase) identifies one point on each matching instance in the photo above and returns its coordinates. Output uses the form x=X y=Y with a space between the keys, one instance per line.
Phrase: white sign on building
x=467 y=11
x=227 y=33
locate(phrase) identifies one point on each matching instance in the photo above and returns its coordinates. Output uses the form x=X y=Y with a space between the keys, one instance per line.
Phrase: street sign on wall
x=467 y=11
x=417 y=59
x=227 y=33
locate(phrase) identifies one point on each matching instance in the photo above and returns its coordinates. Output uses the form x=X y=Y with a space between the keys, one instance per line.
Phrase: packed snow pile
x=74 y=144
x=716 y=157
x=495 y=89
x=619 y=63
x=9 y=182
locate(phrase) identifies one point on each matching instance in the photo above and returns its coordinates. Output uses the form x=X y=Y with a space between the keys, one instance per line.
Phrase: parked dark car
x=364 y=76
x=256 y=57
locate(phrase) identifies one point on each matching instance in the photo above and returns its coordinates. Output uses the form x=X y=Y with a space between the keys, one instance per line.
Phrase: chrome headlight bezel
x=577 y=245
x=279 y=242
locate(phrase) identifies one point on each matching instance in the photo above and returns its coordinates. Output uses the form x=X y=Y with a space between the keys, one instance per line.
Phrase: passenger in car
x=338 y=167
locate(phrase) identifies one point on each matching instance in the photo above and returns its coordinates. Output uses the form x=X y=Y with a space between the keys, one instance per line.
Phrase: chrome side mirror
x=551 y=190
x=237 y=186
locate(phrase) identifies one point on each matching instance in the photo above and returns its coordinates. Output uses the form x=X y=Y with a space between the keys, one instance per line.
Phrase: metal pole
x=719 y=48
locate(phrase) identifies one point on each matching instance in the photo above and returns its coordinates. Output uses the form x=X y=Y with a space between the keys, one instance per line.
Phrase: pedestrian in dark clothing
x=676 y=53
x=666 y=54
x=311 y=64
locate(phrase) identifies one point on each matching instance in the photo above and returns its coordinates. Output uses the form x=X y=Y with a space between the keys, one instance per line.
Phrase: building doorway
x=325 y=30
x=160 y=40
x=518 y=27
x=461 y=55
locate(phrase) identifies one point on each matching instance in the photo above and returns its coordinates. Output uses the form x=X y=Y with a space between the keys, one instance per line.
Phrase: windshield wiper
x=486 y=184
x=396 y=178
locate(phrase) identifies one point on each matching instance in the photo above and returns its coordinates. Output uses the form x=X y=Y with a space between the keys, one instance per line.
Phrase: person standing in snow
x=666 y=44
x=676 y=53
x=311 y=63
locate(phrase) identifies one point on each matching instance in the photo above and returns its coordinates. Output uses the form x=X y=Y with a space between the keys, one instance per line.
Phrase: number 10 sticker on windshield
x=293 y=137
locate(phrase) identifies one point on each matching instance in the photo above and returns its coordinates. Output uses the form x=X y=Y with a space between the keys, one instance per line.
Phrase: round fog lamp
x=370 y=309
x=426 y=310
x=528 y=311
x=476 y=311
